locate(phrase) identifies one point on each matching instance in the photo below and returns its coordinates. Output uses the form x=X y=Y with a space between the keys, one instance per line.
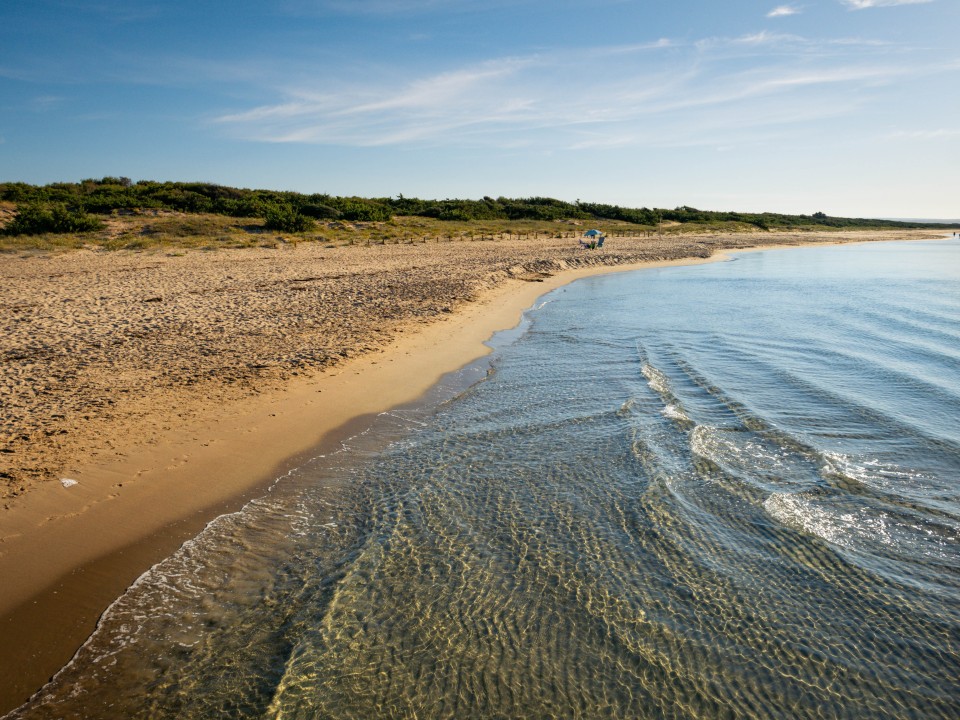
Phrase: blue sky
x=850 y=107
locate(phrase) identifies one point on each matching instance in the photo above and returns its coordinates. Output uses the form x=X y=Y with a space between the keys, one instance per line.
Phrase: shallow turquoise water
x=729 y=490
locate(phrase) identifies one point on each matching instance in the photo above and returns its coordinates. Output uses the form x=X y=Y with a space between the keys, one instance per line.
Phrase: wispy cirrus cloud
x=673 y=92
x=45 y=103
x=638 y=47
x=764 y=38
x=865 y=4
x=116 y=12
x=429 y=107
x=783 y=11
x=937 y=134
x=389 y=7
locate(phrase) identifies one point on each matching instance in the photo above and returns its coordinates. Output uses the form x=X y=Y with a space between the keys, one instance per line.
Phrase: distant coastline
x=925 y=221
x=103 y=213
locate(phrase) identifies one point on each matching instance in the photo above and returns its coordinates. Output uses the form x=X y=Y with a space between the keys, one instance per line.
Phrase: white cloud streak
x=766 y=38
x=662 y=92
x=390 y=7
x=865 y=4
x=783 y=11
x=116 y=12
x=938 y=134
x=45 y=103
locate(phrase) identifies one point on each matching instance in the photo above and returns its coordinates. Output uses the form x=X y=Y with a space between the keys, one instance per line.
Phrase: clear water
x=718 y=491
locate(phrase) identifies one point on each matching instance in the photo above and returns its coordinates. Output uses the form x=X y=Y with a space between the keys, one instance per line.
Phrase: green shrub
x=113 y=193
x=38 y=218
x=361 y=210
x=285 y=219
x=320 y=211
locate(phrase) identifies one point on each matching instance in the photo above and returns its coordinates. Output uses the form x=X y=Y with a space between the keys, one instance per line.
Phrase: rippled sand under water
x=721 y=491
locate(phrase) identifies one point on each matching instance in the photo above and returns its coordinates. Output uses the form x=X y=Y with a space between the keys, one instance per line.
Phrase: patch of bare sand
x=172 y=386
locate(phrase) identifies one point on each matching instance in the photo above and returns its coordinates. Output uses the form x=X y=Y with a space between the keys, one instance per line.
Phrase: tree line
x=74 y=207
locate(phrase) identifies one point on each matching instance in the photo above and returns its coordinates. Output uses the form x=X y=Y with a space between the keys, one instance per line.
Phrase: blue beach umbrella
x=592 y=233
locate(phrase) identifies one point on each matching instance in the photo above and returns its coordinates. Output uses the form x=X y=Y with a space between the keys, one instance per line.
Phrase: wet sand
x=174 y=386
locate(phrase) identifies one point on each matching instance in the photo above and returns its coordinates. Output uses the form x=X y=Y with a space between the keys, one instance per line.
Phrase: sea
x=729 y=490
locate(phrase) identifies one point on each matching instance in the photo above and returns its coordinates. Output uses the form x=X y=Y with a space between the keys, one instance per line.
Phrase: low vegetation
x=113 y=213
x=37 y=218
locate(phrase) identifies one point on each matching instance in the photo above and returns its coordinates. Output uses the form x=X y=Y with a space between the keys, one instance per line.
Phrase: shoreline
x=69 y=552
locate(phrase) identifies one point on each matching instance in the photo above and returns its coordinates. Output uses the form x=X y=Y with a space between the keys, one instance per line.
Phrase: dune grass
x=169 y=230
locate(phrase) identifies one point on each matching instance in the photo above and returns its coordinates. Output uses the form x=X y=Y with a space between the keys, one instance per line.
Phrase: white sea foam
x=703 y=442
x=872 y=472
x=657 y=381
x=861 y=528
x=674 y=412
x=800 y=513
x=737 y=448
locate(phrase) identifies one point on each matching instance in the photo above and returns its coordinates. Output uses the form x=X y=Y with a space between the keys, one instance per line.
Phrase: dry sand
x=171 y=386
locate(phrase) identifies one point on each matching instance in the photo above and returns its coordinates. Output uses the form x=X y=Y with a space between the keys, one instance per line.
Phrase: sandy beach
x=144 y=394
